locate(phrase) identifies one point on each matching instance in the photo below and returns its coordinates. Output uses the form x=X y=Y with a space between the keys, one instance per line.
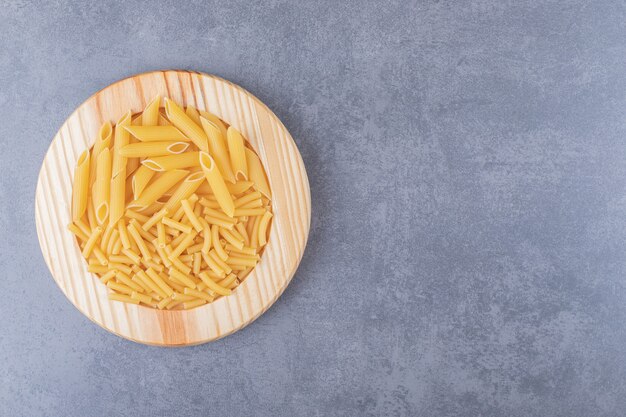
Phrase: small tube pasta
x=146 y=149
x=118 y=197
x=214 y=286
x=193 y=219
x=177 y=116
x=102 y=141
x=217 y=184
x=218 y=149
x=236 y=150
x=156 y=133
x=80 y=191
x=263 y=224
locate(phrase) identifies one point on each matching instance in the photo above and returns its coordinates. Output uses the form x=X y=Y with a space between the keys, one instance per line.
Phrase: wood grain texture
x=291 y=205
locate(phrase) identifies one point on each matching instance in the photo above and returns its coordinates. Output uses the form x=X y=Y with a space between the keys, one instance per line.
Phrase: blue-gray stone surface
x=467 y=162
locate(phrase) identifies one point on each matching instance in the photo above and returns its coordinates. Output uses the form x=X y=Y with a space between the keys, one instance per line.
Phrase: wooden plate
x=291 y=204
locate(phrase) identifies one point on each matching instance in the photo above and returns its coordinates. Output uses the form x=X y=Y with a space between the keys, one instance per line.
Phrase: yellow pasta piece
x=215 y=238
x=188 y=305
x=125 y=289
x=230 y=238
x=217 y=184
x=125 y=279
x=97 y=269
x=121 y=139
x=80 y=190
x=78 y=232
x=146 y=149
x=197 y=262
x=242 y=201
x=215 y=120
x=184 y=190
x=169 y=162
x=150 y=115
x=243 y=233
x=102 y=186
x=184 y=244
x=84 y=227
x=198 y=294
x=123 y=298
x=182 y=278
x=121 y=259
x=193 y=114
x=223 y=265
x=239 y=212
x=193 y=219
x=177 y=225
x=132 y=255
x=156 y=218
x=218 y=149
x=91 y=242
x=102 y=142
x=236 y=150
x=206 y=234
x=162 y=239
x=194 y=248
x=107 y=276
x=254 y=236
x=214 y=286
x=146 y=299
x=257 y=174
x=134 y=233
x=240 y=261
x=159 y=281
x=117 y=198
x=112 y=240
x=177 y=263
x=157 y=133
x=214 y=266
x=140 y=180
x=100 y=255
x=143 y=276
x=177 y=116
x=263 y=225
x=163 y=303
x=158 y=187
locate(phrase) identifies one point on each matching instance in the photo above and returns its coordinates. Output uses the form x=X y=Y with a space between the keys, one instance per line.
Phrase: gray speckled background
x=467 y=254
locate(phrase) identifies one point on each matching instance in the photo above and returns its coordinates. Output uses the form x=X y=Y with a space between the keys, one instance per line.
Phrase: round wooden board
x=291 y=205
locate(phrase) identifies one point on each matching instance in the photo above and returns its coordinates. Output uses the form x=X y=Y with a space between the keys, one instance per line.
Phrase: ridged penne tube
x=214 y=286
x=215 y=120
x=150 y=115
x=218 y=149
x=158 y=187
x=102 y=186
x=217 y=184
x=193 y=114
x=236 y=150
x=156 y=133
x=147 y=149
x=256 y=173
x=184 y=191
x=167 y=163
x=140 y=180
x=193 y=219
x=121 y=139
x=117 y=198
x=178 y=118
x=102 y=141
x=80 y=190
x=263 y=224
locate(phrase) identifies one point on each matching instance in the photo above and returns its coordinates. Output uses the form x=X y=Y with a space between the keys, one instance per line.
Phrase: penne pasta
x=257 y=174
x=236 y=150
x=170 y=212
x=140 y=180
x=169 y=162
x=158 y=187
x=178 y=118
x=218 y=149
x=147 y=149
x=80 y=191
x=217 y=184
x=156 y=133
x=150 y=115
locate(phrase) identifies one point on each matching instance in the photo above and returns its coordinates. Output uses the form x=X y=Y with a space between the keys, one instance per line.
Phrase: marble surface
x=467 y=163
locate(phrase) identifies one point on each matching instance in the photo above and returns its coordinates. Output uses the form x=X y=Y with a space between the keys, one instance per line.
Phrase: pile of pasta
x=170 y=207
